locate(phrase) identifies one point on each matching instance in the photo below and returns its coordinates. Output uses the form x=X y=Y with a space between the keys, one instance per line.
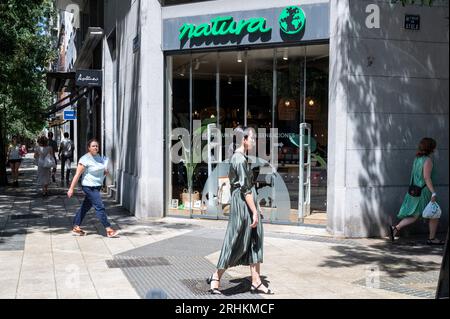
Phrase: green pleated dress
x=414 y=206
x=242 y=245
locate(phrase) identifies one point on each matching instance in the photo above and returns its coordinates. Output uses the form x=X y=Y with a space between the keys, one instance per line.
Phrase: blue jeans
x=93 y=198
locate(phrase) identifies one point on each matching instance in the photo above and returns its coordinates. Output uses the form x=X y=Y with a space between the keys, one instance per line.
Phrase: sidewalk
x=40 y=258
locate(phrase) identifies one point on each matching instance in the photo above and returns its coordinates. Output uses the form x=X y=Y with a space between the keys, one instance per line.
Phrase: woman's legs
x=255 y=270
x=15 y=171
x=81 y=213
x=218 y=276
x=433 y=225
x=405 y=222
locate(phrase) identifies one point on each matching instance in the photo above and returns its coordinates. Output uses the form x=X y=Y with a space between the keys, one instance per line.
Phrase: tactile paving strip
x=409 y=285
x=185 y=278
x=133 y=262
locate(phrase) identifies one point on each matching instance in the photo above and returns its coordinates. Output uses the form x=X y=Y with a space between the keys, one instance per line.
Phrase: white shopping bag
x=432 y=211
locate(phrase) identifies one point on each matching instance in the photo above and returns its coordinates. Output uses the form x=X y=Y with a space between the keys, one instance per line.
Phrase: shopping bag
x=432 y=211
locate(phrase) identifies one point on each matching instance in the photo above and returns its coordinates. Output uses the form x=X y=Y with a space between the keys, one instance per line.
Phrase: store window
x=271 y=90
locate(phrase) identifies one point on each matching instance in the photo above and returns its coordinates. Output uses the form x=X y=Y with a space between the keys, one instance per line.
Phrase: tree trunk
x=3 y=179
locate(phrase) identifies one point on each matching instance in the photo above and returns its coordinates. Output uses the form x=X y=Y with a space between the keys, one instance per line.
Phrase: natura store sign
x=275 y=25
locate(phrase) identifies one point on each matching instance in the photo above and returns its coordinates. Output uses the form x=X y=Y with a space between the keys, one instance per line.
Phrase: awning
x=67 y=101
x=61 y=81
x=93 y=36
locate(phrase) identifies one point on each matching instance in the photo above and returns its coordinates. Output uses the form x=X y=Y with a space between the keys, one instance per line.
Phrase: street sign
x=70 y=115
x=89 y=78
x=412 y=22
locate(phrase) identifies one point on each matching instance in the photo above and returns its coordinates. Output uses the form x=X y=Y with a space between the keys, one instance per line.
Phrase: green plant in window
x=191 y=161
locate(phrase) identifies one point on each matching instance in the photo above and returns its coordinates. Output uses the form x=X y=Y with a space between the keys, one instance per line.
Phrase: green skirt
x=242 y=245
x=414 y=206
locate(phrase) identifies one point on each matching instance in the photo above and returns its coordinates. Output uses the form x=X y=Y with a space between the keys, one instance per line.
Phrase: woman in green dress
x=422 y=176
x=243 y=243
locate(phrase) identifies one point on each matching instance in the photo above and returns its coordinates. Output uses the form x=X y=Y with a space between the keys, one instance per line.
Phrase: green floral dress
x=242 y=245
x=414 y=206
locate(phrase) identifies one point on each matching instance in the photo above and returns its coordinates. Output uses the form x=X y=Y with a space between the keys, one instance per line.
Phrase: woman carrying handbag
x=421 y=192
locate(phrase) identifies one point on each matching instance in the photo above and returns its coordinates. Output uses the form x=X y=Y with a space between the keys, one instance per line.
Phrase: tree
x=27 y=48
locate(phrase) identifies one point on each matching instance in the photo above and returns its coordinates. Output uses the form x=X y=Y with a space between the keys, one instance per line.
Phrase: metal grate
x=134 y=262
x=26 y=216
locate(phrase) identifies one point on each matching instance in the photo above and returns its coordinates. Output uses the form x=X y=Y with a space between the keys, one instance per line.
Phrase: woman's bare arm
x=427 y=168
x=80 y=171
x=251 y=204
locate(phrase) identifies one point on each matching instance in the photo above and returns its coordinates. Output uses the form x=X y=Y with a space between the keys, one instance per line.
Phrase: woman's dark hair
x=426 y=146
x=240 y=133
x=43 y=141
x=92 y=141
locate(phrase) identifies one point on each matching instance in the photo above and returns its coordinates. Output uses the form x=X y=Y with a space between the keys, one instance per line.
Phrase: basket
x=185 y=198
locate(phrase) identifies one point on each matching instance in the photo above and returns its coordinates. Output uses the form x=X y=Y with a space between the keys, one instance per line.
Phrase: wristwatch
x=433 y=195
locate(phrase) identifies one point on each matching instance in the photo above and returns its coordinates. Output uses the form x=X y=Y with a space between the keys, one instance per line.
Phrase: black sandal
x=435 y=241
x=391 y=232
x=213 y=291
x=256 y=290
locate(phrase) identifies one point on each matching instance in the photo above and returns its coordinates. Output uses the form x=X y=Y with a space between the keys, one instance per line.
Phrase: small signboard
x=89 y=78
x=412 y=22
x=70 y=115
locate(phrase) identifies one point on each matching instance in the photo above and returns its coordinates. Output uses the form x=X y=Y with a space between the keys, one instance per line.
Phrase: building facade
x=340 y=93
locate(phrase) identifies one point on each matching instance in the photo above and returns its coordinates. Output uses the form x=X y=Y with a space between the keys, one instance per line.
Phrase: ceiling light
x=286 y=54
x=311 y=102
x=197 y=65
x=239 y=57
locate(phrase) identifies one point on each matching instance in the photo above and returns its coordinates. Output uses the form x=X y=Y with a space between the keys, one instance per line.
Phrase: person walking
x=422 y=176
x=42 y=153
x=52 y=143
x=92 y=170
x=14 y=159
x=243 y=243
x=66 y=150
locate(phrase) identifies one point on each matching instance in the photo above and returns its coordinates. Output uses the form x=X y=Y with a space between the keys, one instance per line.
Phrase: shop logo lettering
x=222 y=26
x=292 y=20
x=87 y=78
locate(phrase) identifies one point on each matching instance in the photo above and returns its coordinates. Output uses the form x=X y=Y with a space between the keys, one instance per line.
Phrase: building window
x=276 y=88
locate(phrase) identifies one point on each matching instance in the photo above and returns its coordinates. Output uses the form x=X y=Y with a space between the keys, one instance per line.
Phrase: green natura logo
x=292 y=20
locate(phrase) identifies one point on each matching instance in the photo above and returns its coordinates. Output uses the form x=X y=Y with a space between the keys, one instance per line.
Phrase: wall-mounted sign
x=89 y=78
x=70 y=115
x=274 y=25
x=292 y=20
x=412 y=22
x=222 y=26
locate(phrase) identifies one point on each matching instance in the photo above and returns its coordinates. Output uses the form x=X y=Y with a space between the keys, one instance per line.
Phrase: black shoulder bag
x=415 y=191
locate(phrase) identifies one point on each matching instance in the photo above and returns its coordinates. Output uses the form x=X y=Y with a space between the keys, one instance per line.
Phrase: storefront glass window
x=272 y=90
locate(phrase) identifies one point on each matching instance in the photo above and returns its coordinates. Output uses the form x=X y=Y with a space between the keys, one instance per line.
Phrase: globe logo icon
x=292 y=20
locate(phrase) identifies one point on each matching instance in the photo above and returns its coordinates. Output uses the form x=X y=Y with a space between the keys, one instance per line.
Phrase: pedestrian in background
x=422 y=176
x=66 y=151
x=43 y=154
x=243 y=243
x=52 y=143
x=92 y=170
x=14 y=159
